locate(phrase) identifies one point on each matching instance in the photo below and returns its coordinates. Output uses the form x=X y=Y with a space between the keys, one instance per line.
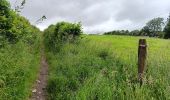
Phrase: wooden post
x=142 y=53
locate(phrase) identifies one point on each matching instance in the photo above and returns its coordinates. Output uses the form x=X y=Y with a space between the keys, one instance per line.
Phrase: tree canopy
x=154 y=26
x=14 y=27
x=167 y=29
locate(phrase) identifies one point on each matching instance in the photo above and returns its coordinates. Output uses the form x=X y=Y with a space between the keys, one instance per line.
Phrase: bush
x=14 y=27
x=63 y=32
x=5 y=18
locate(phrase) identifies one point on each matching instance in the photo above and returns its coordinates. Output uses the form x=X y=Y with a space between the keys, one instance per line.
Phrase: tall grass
x=105 y=68
x=19 y=65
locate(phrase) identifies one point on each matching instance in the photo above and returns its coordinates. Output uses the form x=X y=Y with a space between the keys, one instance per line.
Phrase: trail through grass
x=39 y=90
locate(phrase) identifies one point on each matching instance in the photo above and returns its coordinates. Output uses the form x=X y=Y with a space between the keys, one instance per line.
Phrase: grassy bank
x=19 y=65
x=105 y=68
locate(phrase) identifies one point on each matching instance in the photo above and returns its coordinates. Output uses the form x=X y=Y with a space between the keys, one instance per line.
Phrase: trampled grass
x=105 y=68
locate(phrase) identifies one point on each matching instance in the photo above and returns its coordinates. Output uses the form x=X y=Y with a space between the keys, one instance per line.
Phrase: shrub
x=62 y=32
x=14 y=27
x=5 y=19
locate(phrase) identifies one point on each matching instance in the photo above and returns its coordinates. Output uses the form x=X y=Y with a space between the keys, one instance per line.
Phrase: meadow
x=100 y=67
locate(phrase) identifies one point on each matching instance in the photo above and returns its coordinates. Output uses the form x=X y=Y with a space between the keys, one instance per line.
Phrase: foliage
x=48 y=38
x=41 y=19
x=145 y=31
x=154 y=26
x=135 y=33
x=18 y=8
x=62 y=32
x=14 y=27
x=126 y=32
x=167 y=29
x=5 y=18
x=118 y=32
x=19 y=54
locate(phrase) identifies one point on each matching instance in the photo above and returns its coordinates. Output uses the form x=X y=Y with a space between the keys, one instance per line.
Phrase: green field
x=105 y=68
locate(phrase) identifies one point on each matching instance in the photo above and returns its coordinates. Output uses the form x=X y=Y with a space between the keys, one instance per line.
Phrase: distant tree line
x=154 y=28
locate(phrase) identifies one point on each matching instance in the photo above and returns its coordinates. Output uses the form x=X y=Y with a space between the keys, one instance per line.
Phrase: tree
x=5 y=19
x=135 y=33
x=154 y=26
x=145 y=31
x=41 y=19
x=18 y=8
x=14 y=27
x=167 y=29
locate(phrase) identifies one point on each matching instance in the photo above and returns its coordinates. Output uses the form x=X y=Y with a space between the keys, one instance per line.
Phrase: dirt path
x=39 y=90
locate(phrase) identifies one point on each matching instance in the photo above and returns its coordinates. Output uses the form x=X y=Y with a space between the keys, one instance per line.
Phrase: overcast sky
x=96 y=15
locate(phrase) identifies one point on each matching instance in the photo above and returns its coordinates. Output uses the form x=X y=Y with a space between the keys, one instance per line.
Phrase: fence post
x=142 y=53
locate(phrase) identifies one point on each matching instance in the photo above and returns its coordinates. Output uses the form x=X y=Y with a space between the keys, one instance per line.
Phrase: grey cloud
x=94 y=13
x=138 y=10
x=67 y=9
x=135 y=10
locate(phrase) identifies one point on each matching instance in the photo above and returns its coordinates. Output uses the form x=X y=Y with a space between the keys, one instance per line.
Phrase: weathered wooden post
x=142 y=53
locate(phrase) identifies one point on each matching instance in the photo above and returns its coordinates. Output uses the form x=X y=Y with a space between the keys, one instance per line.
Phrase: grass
x=19 y=64
x=105 y=68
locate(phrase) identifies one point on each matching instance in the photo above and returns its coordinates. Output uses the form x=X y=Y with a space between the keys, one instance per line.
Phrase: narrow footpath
x=39 y=89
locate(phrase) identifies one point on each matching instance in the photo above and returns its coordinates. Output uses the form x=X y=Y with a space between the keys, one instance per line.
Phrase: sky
x=96 y=16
